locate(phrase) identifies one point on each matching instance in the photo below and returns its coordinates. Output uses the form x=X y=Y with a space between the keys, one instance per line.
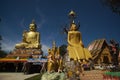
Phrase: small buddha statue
x=75 y=47
x=31 y=38
x=59 y=60
x=50 y=62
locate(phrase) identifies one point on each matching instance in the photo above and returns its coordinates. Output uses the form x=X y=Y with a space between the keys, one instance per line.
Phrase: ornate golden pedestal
x=25 y=53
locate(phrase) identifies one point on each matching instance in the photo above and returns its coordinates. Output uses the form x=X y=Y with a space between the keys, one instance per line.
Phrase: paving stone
x=92 y=75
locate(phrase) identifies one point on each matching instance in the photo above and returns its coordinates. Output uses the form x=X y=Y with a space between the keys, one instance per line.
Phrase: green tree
x=0 y=41
x=63 y=49
x=114 y=5
x=2 y=53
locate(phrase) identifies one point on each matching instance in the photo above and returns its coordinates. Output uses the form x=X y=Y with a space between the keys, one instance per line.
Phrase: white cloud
x=45 y=48
x=22 y=23
x=41 y=17
x=8 y=45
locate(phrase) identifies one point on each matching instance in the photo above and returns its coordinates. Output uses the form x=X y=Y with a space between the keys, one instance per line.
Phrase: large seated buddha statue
x=31 y=38
x=75 y=47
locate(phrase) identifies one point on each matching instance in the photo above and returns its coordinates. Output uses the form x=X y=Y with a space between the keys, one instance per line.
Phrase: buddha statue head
x=73 y=27
x=32 y=26
x=49 y=51
x=72 y=16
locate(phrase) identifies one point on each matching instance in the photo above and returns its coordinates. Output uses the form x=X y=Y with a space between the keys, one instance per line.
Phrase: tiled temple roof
x=96 y=44
x=96 y=47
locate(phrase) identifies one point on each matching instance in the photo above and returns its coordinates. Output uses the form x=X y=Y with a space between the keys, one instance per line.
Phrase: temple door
x=106 y=59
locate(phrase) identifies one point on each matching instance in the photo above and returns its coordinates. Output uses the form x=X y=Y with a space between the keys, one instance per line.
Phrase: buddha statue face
x=73 y=27
x=32 y=27
x=49 y=51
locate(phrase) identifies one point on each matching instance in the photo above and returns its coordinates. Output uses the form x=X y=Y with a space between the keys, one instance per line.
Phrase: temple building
x=100 y=51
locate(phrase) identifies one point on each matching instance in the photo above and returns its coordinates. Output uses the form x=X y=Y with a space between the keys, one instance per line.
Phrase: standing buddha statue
x=75 y=47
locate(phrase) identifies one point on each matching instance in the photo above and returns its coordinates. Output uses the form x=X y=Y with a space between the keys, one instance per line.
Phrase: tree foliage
x=2 y=53
x=63 y=49
x=0 y=41
x=114 y=5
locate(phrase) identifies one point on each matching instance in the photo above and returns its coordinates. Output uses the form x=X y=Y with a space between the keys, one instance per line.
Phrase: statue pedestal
x=25 y=53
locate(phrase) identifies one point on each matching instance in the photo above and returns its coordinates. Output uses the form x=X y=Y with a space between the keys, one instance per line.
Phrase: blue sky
x=97 y=21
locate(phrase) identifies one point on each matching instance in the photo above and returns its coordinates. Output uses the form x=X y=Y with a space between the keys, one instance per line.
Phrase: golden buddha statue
x=53 y=50
x=50 y=63
x=75 y=47
x=54 y=59
x=59 y=60
x=31 y=38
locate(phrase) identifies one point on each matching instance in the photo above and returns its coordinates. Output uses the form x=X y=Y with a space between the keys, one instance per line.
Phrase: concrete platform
x=15 y=76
